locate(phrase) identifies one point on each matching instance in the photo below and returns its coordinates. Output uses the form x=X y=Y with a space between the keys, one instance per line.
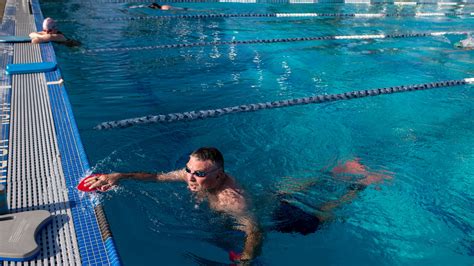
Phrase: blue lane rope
x=280 y=40
x=278 y=15
x=203 y=114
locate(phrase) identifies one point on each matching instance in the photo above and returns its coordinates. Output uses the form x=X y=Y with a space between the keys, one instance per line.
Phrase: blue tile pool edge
x=8 y=27
x=75 y=166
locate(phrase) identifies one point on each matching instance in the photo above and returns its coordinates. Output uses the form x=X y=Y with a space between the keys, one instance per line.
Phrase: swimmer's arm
x=175 y=8
x=36 y=34
x=351 y=193
x=48 y=38
x=178 y=175
x=253 y=239
x=326 y=209
x=352 y=167
x=114 y=178
x=138 y=6
x=248 y=224
x=37 y=37
x=37 y=40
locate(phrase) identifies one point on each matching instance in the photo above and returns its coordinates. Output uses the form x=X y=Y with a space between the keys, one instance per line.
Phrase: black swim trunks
x=291 y=219
x=288 y=218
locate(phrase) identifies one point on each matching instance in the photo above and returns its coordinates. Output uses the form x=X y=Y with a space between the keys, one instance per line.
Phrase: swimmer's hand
x=103 y=182
x=239 y=258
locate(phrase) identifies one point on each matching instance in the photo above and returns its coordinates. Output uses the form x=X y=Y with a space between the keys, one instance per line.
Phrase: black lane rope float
x=203 y=114
x=279 y=40
x=278 y=15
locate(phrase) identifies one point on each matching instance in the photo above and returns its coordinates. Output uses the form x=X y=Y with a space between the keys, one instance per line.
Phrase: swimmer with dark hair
x=205 y=176
x=166 y=7
x=160 y=7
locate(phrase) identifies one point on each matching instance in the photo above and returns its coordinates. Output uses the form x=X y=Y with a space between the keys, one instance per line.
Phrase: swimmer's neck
x=221 y=183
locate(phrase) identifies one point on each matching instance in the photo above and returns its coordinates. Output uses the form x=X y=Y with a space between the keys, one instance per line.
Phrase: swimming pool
x=422 y=216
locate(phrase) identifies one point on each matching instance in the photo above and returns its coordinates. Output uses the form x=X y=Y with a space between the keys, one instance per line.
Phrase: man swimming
x=50 y=33
x=204 y=174
x=467 y=43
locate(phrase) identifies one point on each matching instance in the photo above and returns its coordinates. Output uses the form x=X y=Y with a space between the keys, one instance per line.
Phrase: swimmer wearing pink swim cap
x=50 y=33
x=49 y=25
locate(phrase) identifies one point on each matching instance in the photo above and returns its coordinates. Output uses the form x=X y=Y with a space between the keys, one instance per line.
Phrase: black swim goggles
x=199 y=173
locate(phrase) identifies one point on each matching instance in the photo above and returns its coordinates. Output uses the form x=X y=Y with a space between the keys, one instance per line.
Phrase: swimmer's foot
x=374 y=178
x=353 y=167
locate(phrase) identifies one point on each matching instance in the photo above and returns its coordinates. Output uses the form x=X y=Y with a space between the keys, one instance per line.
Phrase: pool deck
x=2 y=8
x=42 y=157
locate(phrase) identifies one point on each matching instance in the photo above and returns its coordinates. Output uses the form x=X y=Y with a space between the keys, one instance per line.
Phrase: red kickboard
x=82 y=186
x=234 y=256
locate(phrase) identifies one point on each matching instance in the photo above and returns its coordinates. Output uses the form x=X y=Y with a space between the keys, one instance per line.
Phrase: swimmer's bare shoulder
x=231 y=198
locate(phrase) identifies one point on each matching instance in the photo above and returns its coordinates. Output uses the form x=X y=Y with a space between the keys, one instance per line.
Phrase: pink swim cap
x=49 y=24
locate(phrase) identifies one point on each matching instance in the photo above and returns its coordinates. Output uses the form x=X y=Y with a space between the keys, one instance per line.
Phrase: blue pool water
x=423 y=215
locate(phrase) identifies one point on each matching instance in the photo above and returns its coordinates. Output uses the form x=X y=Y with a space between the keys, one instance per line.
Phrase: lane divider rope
x=203 y=114
x=280 y=40
x=278 y=15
